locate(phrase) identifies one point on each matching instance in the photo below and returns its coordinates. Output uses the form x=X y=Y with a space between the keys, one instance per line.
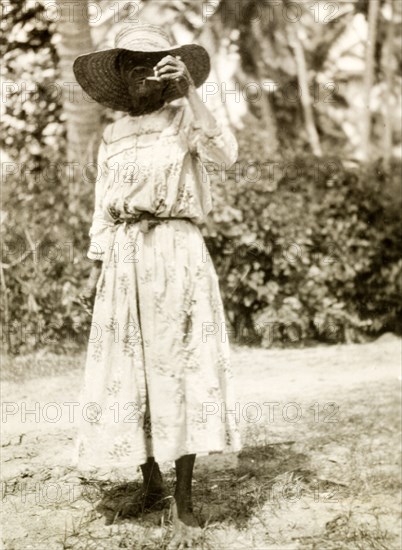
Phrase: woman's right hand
x=87 y=296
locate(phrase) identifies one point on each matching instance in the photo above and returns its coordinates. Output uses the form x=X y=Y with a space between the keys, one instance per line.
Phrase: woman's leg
x=152 y=478
x=182 y=495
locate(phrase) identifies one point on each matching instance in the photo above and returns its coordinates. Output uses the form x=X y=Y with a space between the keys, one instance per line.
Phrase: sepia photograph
x=201 y=274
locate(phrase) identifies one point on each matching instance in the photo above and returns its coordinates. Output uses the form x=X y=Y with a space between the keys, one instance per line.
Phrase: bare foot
x=186 y=529
x=121 y=504
x=145 y=499
x=152 y=493
x=189 y=519
x=184 y=509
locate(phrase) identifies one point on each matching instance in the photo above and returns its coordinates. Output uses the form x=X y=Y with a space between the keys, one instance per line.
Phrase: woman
x=158 y=382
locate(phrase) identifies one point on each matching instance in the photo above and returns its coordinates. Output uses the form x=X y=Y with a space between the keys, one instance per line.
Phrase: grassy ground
x=319 y=469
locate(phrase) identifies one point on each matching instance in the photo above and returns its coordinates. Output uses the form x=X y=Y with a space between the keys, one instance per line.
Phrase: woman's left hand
x=86 y=299
x=172 y=68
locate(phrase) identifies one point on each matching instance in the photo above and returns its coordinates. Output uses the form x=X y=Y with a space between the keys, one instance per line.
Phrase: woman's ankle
x=152 y=477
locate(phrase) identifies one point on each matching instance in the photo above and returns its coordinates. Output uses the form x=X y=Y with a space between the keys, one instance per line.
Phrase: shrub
x=39 y=216
x=307 y=249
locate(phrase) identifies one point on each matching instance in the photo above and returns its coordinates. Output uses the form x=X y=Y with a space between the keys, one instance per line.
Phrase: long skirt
x=158 y=379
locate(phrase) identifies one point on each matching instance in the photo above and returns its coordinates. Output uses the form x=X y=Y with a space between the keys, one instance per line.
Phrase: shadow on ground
x=263 y=473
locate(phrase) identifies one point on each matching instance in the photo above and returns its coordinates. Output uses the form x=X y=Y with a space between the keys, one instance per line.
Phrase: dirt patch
x=319 y=468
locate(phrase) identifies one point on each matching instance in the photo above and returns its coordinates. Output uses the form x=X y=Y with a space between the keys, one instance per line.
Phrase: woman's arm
x=173 y=68
x=94 y=274
x=87 y=295
x=98 y=232
x=210 y=140
x=101 y=221
x=201 y=113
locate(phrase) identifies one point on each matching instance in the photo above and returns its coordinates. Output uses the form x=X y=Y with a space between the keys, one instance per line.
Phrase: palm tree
x=374 y=7
x=82 y=114
x=292 y=30
x=388 y=56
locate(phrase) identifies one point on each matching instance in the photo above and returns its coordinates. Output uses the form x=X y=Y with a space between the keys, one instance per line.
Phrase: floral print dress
x=158 y=379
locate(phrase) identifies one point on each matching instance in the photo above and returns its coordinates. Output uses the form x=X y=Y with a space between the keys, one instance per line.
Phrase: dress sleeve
x=218 y=144
x=101 y=222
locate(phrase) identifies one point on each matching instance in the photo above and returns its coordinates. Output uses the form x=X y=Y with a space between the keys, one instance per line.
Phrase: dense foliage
x=42 y=223
x=305 y=248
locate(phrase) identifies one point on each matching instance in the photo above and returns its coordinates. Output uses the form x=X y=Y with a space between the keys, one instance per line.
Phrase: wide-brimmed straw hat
x=99 y=75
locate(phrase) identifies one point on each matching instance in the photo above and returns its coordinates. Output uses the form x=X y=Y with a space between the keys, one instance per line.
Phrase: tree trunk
x=82 y=113
x=302 y=75
x=388 y=57
x=266 y=109
x=374 y=7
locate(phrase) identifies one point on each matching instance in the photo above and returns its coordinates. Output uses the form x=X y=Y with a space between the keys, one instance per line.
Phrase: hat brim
x=97 y=72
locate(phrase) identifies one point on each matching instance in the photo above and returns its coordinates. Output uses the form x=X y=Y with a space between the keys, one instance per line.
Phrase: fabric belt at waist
x=148 y=221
